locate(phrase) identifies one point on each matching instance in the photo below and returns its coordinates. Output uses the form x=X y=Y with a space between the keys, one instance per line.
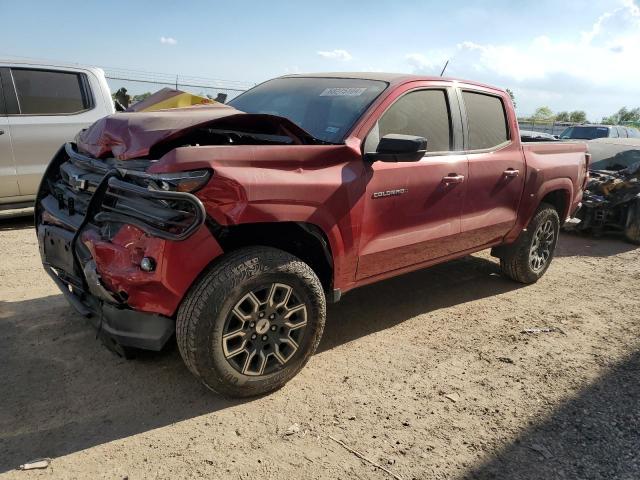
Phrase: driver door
x=412 y=211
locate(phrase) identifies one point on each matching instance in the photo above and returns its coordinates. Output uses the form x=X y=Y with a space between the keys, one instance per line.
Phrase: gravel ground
x=428 y=375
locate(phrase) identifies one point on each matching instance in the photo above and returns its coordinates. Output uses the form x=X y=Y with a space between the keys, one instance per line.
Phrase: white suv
x=42 y=106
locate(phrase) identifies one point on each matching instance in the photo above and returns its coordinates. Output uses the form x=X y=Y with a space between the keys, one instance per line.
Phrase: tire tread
x=222 y=277
x=515 y=262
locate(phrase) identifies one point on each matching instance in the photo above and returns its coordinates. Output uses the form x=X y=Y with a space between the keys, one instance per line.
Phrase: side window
x=623 y=132
x=424 y=113
x=634 y=133
x=486 y=119
x=46 y=92
x=2 y=107
x=614 y=132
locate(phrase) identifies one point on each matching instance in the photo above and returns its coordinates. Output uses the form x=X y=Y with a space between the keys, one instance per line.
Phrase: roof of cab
x=391 y=78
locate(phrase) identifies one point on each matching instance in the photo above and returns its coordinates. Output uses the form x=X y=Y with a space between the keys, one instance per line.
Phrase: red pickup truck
x=231 y=226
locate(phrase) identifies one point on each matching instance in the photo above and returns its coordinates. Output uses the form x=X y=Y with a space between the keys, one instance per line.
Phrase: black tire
x=632 y=227
x=211 y=305
x=517 y=261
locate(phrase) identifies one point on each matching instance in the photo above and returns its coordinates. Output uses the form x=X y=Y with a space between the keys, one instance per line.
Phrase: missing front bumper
x=118 y=325
x=123 y=326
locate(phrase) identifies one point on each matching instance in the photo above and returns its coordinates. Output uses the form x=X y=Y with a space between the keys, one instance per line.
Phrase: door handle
x=453 y=178
x=511 y=173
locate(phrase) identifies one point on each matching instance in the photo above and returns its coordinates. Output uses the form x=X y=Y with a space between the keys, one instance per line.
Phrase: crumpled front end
x=123 y=246
x=611 y=203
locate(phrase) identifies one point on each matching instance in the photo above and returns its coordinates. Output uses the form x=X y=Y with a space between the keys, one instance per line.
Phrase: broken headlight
x=180 y=181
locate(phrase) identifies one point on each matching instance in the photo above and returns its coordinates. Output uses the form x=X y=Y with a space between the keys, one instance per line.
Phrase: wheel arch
x=558 y=192
x=560 y=199
x=304 y=240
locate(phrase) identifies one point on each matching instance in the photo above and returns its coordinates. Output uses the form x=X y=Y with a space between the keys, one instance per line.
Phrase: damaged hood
x=128 y=135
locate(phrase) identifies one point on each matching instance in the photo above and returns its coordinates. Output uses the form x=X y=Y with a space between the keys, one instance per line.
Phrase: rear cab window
x=486 y=120
x=51 y=92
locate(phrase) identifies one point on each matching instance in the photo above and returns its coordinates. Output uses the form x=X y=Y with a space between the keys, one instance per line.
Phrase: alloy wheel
x=264 y=329
x=541 y=246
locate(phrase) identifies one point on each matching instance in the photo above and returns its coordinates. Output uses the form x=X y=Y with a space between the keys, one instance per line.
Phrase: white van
x=42 y=106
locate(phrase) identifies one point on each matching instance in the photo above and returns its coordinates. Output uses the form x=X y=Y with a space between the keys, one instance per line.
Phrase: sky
x=568 y=55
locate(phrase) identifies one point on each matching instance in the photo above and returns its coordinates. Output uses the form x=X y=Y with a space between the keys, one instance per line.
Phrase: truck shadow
x=63 y=392
x=581 y=245
x=593 y=435
x=382 y=305
x=16 y=223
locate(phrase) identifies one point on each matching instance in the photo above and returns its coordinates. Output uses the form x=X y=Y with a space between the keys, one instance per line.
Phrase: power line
x=159 y=78
x=175 y=84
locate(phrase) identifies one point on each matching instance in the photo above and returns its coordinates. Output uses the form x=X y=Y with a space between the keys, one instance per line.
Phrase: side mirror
x=395 y=147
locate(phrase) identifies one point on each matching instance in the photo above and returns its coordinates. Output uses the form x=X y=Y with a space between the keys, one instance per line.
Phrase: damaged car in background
x=611 y=201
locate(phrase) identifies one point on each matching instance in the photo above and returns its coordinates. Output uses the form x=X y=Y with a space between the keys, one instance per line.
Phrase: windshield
x=327 y=108
x=585 y=133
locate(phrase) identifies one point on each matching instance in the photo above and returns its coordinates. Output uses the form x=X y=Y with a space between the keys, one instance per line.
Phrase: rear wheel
x=252 y=322
x=530 y=256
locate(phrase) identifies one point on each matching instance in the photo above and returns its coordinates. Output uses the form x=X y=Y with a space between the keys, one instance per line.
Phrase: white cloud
x=594 y=63
x=418 y=61
x=337 y=54
x=168 y=40
x=430 y=63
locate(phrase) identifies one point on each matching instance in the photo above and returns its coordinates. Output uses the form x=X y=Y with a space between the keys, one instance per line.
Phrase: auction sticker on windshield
x=343 y=91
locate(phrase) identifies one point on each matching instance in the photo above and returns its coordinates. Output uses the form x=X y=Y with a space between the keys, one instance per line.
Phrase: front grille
x=169 y=215
x=122 y=197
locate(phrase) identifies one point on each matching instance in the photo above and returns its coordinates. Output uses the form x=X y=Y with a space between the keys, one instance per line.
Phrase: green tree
x=121 y=99
x=578 y=116
x=140 y=97
x=563 y=116
x=624 y=115
x=543 y=114
x=513 y=97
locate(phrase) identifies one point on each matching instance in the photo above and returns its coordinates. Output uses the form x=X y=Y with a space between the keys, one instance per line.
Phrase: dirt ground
x=428 y=375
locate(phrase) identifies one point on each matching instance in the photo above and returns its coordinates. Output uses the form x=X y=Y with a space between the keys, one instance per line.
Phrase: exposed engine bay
x=611 y=204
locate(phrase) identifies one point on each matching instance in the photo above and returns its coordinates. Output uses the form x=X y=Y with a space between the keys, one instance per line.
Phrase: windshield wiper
x=271 y=138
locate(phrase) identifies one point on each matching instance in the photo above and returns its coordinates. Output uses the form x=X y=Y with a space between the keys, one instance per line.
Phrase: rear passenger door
x=46 y=107
x=411 y=212
x=496 y=168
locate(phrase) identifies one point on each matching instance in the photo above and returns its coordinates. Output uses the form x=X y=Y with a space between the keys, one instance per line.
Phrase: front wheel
x=252 y=322
x=530 y=256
